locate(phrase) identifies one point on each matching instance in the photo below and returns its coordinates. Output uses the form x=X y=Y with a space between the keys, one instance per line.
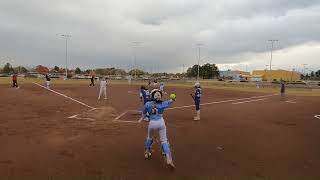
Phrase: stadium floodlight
x=135 y=46
x=272 y=42
x=267 y=65
x=304 y=68
x=66 y=36
x=305 y=71
x=199 y=47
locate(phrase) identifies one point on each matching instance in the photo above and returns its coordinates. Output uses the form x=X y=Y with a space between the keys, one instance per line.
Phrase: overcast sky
x=235 y=33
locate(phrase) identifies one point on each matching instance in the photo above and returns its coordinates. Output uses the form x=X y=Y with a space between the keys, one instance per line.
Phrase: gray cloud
x=103 y=31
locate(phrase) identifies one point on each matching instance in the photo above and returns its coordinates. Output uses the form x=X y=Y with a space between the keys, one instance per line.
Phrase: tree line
x=312 y=75
x=9 y=69
x=206 y=71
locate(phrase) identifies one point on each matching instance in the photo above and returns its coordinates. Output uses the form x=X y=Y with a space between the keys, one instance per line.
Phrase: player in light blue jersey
x=155 y=108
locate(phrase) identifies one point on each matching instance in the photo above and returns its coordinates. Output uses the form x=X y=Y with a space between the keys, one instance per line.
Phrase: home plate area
x=102 y=113
x=130 y=116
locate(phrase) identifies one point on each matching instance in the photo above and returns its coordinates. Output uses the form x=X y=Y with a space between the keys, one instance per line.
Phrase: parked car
x=118 y=78
x=54 y=76
x=81 y=77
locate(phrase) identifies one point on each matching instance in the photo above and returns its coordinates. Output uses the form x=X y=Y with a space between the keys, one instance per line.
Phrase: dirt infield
x=242 y=135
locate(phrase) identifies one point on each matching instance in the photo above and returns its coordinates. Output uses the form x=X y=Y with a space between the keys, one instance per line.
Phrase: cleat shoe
x=147 y=154
x=196 y=118
x=169 y=162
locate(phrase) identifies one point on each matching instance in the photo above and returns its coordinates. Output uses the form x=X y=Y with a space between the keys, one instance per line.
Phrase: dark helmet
x=143 y=87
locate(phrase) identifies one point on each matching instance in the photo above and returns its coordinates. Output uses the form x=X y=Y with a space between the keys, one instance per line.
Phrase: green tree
x=120 y=72
x=318 y=73
x=78 y=70
x=101 y=71
x=20 y=69
x=215 y=70
x=206 y=71
x=7 y=68
x=110 y=71
x=193 y=71
x=56 y=68
x=137 y=72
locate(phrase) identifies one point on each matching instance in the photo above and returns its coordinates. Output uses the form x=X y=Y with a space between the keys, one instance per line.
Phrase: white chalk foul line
x=249 y=101
x=126 y=121
x=218 y=102
x=118 y=117
x=317 y=116
x=76 y=117
x=65 y=96
x=291 y=101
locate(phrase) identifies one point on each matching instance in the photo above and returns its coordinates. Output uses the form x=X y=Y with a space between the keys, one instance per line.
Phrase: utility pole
x=66 y=36
x=199 y=47
x=292 y=74
x=272 y=42
x=267 y=66
x=304 y=71
x=182 y=68
x=135 y=46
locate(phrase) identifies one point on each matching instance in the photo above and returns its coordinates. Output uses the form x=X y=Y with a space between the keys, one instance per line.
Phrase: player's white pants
x=48 y=84
x=155 y=126
x=103 y=91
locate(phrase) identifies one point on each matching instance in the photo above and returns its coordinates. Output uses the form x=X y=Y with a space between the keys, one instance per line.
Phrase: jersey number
x=154 y=111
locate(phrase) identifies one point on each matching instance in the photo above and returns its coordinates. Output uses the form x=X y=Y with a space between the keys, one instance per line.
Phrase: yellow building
x=278 y=75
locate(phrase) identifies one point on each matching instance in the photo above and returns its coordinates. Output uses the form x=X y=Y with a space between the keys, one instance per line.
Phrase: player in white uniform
x=103 y=88
x=162 y=88
x=156 y=108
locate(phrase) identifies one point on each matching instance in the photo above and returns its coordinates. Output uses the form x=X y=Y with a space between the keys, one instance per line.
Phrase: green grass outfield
x=233 y=86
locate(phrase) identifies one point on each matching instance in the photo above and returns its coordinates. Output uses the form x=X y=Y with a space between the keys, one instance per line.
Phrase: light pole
x=272 y=42
x=135 y=45
x=304 y=71
x=66 y=36
x=304 y=68
x=292 y=73
x=267 y=66
x=199 y=46
x=182 y=68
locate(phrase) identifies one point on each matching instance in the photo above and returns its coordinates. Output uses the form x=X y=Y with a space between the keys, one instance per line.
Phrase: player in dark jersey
x=196 y=97
x=48 y=79
x=15 y=81
x=144 y=94
x=282 y=90
x=145 y=97
x=92 y=80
